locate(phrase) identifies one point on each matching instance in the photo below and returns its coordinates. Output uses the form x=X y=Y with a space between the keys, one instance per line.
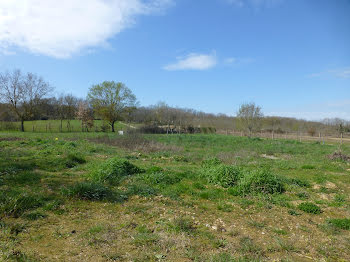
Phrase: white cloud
x=255 y=3
x=338 y=73
x=61 y=28
x=193 y=62
x=238 y=61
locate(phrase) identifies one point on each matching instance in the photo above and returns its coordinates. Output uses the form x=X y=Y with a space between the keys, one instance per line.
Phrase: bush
x=260 y=181
x=89 y=191
x=113 y=170
x=340 y=223
x=222 y=175
x=309 y=208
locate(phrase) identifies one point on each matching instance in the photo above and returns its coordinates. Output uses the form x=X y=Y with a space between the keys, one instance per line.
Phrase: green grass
x=54 y=126
x=170 y=198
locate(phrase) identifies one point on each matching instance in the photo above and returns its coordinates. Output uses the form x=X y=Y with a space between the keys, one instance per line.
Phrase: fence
x=299 y=136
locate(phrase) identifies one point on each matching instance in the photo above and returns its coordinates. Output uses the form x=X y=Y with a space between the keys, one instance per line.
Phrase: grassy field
x=103 y=197
x=54 y=126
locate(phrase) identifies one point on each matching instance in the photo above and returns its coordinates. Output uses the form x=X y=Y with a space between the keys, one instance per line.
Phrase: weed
x=223 y=175
x=113 y=170
x=310 y=208
x=343 y=223
x=260 y=181
x=293 y=212
x=184 y=224
x=73 y=159
x=89 y=191
x=141 y=189
x=17 y=205
x=35 y=216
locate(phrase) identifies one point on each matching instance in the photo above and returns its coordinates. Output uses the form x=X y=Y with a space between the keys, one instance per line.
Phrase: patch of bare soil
x=136 y=142
x=10 y=139
x=269 y=157
x=338 y=155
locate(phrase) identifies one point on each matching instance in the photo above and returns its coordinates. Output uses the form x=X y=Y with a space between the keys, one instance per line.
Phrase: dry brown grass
x=135 y=142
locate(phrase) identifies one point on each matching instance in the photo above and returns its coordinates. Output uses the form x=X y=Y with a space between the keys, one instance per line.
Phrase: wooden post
x=341 y=138
x=273 y=134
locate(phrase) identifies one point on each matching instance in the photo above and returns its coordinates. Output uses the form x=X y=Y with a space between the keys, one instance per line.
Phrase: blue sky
x=291 y=57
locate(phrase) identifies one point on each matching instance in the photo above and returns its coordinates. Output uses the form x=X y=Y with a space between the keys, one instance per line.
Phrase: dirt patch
x=338 y=155
x=136 y=142
x=269 y=157
x=10 y=139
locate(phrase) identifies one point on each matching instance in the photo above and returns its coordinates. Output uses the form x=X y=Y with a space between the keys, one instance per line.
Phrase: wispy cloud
x=193 y=61
x=237 y=61
x=196 y=61
x=338 y=73
x=65 y=27
x=254 y=3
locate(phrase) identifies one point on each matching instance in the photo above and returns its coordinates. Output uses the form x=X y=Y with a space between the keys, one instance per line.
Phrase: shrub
x=260 y=181
x=222 y=175
x=309 y=208
x=340 y=223
x=89 y=191
x=113 y=170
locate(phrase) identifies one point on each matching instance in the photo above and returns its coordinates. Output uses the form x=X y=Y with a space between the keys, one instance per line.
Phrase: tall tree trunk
x=113 y=127
x=22 y=125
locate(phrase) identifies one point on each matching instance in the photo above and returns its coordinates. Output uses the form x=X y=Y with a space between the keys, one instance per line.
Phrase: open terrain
x=103 y=197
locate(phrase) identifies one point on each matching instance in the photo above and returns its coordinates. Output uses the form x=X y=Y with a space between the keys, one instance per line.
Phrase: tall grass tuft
x=113 y=170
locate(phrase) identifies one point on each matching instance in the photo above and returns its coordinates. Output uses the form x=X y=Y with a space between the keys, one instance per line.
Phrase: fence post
x=341 y=138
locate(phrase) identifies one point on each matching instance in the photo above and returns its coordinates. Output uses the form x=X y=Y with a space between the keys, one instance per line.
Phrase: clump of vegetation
x=211 y=162
x=141 y=189
x=113 y=170
x=17 y=205
x=220 y=174
x=342 y=223
x=310 y=208
x=260 y=181
x=161 y=178
x=298 y=182
x=89 y=191
x=184 y=224
x=73 y=159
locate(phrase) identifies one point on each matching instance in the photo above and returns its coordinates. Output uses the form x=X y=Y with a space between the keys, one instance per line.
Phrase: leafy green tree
x=111 y=101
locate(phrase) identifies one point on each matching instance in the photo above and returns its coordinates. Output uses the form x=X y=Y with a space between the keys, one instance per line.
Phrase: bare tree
x=250 y=116
x=23 y=93
x=85 y=114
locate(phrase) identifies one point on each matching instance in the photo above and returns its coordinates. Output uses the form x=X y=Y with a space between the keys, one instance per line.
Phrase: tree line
x=25 y=97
